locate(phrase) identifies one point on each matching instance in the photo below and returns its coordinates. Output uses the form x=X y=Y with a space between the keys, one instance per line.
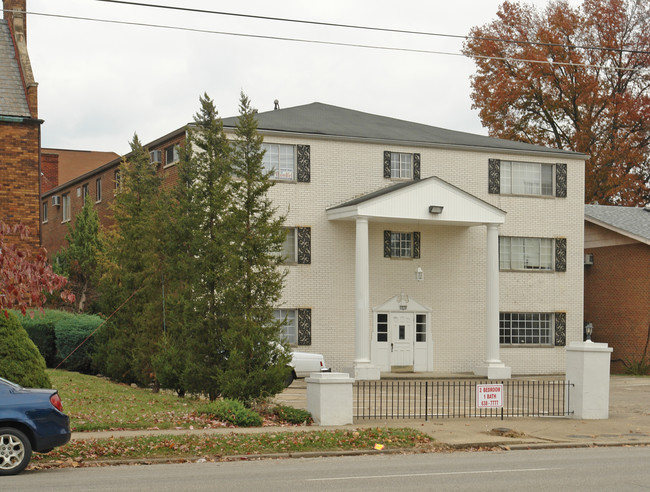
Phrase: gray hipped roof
x=634 y=221
x=13 y=101
x=320 y=119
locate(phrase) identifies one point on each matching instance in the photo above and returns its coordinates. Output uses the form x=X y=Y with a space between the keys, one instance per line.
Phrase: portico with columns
x=427 y=203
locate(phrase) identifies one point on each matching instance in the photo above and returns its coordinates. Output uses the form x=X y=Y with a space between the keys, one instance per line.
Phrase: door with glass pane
x=402 y=330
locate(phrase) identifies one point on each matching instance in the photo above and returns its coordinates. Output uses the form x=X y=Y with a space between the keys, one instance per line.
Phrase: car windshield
x=9 y=383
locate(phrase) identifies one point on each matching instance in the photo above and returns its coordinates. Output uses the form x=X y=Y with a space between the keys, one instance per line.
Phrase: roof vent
x=276 y=104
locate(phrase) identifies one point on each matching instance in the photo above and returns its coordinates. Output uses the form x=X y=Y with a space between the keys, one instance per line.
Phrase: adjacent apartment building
x=409 y=247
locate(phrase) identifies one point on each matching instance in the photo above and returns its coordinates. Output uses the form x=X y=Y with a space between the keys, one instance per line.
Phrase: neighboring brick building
x=408 y=246
x=617 y=280
x=20 y=128
x=81 y=173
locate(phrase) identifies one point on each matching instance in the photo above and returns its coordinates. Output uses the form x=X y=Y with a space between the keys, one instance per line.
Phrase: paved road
x=588 y=469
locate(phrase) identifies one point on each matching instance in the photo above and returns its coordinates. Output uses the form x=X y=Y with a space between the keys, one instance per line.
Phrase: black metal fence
x=419 y=399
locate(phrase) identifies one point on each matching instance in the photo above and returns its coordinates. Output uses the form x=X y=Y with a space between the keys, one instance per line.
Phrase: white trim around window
x=45 y=212
x=65 y=207
x=401 y=165
x=289 y=318
x=517 y=329
x=526 y=253
x=171 y=155
x=280 y=161
x=526 y=178
x=98 y=190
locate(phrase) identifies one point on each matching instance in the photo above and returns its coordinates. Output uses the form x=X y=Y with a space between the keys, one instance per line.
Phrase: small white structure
x=329 y=398
x=587 y=367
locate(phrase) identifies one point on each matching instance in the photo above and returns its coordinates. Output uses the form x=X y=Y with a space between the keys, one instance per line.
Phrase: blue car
x=30 y=420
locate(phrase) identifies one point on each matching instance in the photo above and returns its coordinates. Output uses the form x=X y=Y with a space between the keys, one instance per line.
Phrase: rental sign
x=489 y=396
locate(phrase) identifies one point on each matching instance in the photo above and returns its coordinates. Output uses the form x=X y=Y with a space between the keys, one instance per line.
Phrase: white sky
x=99 y=83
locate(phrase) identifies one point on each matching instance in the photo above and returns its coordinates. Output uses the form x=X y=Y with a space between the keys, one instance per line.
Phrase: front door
x=401 y=329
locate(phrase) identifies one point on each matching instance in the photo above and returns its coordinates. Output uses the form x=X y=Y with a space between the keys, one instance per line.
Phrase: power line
x=332 y=43
x=371 y=28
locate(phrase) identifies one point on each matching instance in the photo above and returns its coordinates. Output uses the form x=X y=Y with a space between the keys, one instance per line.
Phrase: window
x=171 y=155
x=420 y=327
x=290 y=324
x=297 y=246
x=401 y=244
x=280 y=161
x=526 y=253
x=84 y=192
x=44 y=212
x=525 y=328
x=65 y=205
x=401 y=165
x=526 y=178
x=98 y=189
x=289 y=247
x=382 y=327
x=117 y=176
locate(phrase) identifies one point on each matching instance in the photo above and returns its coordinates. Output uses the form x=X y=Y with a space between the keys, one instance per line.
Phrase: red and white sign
x=489 y=396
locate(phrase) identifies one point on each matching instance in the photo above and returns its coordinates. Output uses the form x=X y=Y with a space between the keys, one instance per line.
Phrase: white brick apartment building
x=411 y=247
x=418 y=248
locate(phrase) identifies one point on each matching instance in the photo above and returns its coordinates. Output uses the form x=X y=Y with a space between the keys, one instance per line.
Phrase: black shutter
x=416 y=167
x=304 y=245
x=387 y=248
x=494 y=176
x=304 y=326
x=387 y=173
x=416 y=245
x=304 y=163
x=560 y=330
x=560 y=180
x=560 y=254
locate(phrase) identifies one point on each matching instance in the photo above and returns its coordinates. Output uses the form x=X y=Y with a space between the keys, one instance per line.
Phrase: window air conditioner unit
x=155 y=156
x=56 y=200
x=589 y=258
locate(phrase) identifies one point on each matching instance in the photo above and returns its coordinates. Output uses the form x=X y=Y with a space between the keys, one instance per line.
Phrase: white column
x=363 y=369
x=362 y=293
x=493 y=368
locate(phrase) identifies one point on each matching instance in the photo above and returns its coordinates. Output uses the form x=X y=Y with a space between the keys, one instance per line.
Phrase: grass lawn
x=215 y=447
x=95 y=404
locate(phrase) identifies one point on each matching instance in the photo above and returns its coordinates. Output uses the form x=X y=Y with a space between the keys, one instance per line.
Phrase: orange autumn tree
x=25 y=277
x=593 y=97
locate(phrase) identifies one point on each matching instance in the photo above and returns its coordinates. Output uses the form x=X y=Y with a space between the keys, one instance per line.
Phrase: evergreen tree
x=201 y=245
x=132 y=271
x=80 y=259
x=257 y=363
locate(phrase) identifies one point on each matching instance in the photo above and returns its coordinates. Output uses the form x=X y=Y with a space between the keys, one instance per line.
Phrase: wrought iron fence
x=418 y=399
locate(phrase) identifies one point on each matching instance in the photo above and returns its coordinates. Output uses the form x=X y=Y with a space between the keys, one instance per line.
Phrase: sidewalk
x=628 y=424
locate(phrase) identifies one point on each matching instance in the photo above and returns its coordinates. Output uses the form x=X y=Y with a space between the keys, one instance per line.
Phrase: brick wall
x=55 y=230
x=19 y=177
x=49 y=171
x=617 y=299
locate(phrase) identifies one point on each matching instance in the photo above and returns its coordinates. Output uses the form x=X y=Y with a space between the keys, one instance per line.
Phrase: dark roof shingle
x=333 y=121
x=13 y=101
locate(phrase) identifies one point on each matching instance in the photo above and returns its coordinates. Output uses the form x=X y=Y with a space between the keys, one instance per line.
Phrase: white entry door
x=401 y=330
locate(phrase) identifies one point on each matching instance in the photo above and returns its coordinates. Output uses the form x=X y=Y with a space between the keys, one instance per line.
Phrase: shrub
x=637 y=367
x=232 y=411
x=40 y=329
x=70 y=333
x=292 y=415
x=20 y=360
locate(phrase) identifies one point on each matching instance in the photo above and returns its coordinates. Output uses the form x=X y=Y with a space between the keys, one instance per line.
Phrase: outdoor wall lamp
x=589 y=328
x=419 y=275
x=435 y=209
x=403 y=301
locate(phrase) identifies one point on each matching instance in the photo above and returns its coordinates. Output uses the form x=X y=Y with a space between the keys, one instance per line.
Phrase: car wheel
x=289 y=380
x=15 y=451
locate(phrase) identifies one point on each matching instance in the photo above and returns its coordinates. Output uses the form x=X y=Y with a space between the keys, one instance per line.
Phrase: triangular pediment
x=429 y=200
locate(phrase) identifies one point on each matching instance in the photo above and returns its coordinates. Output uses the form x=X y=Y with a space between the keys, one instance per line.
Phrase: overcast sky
x=100 y=83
